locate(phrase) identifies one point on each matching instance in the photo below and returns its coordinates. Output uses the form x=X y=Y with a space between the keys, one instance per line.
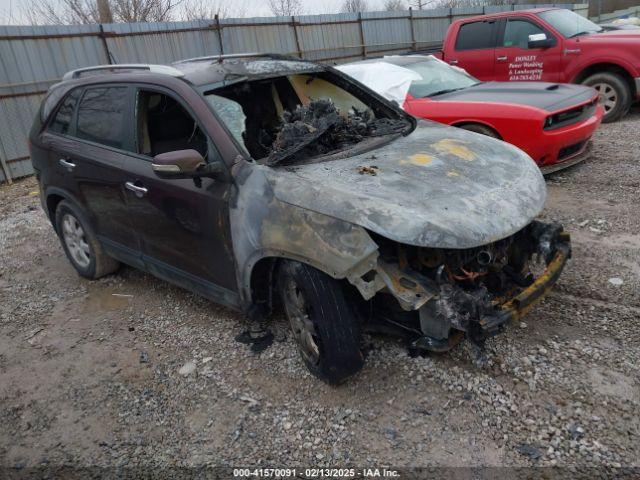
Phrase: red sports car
x=551 y=122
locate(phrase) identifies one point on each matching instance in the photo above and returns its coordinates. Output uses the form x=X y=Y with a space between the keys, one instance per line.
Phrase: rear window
x=62 y=121
x=475 y=36
x=101 y=116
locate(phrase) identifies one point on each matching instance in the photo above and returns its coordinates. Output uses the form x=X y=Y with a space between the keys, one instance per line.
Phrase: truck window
x=516 y=33
x=475 y=36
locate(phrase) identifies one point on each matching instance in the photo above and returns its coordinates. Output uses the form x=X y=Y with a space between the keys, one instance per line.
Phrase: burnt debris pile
x=318 y=128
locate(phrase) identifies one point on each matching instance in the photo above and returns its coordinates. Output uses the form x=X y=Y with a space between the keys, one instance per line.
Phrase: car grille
x=571 y=116
x=571 y=150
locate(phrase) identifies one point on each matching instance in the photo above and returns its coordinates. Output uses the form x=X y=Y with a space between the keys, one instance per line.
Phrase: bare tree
x=208 y=9
x=88 y=11
x=285 y=8
x=421 y=4
x=394 y=5
x=355 y=6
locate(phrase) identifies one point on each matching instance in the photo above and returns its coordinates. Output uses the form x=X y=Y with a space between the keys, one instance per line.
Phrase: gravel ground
x=130 y=371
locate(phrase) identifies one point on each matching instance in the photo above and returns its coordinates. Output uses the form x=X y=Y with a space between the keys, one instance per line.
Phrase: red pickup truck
x=551 y=45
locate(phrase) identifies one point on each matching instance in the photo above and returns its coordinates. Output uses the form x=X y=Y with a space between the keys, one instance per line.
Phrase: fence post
x=219 y=30
x=105 y=45
x=364 y=47
x=413 y=30
x=295 y=34
x=5 y=170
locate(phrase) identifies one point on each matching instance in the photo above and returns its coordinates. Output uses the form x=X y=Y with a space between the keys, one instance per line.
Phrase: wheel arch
x=53 y=197
x=607 y=67
x=463 y=123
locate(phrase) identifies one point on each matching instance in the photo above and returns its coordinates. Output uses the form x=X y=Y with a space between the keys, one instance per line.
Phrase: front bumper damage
x=444 y=311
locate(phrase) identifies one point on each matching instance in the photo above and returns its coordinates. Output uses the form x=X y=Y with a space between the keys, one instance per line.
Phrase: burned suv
x=264 y=183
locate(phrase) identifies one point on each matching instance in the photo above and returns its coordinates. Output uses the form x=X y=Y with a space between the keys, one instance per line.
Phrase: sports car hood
x=551 y=97
x=438 y=187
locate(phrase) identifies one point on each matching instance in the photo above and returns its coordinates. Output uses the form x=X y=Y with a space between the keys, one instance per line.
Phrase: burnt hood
x=439 y=187
x=551 y=97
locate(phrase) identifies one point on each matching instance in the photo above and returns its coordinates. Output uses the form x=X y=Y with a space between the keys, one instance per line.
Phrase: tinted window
x=475 y=35
x=101 y=116
x=62 y=121
x=517 y=32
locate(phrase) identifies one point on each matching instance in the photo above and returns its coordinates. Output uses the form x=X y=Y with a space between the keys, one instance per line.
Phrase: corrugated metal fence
x=33 y=58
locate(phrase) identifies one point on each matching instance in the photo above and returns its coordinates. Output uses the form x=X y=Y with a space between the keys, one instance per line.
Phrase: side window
x=101 y=116
x=475 y=36
x=516 y=33
x=163 y=125
x=62 y=121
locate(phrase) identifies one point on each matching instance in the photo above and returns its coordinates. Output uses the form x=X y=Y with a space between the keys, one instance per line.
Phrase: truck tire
x=80 y=243
x=614 y=92
x=481 y=129
x=323 y=323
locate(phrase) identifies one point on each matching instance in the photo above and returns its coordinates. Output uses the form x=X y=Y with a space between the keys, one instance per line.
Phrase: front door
x=183 y=223
x=516 y=62
x=474 y=49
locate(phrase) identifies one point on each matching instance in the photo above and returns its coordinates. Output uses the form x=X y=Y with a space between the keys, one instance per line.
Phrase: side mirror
x=540 y=40
x=184 y=164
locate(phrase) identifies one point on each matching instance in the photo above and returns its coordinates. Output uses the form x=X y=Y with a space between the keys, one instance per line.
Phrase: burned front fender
x=264 y=227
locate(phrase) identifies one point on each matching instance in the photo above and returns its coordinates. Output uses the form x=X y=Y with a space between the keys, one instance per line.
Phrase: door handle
x=139 y=191
x=453 y=62
x=67 y=165
x=501 y=59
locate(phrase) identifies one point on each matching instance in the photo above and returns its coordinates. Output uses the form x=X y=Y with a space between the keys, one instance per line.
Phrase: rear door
x=474 y=48
x=183 y=223
x=88 y=144
x=515 y=61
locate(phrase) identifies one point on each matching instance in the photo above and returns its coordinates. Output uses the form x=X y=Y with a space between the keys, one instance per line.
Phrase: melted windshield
x=437 y=78
x=297 y=117
x=569 y=23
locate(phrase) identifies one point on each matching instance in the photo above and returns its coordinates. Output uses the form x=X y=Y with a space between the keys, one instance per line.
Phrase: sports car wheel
x=481 y=129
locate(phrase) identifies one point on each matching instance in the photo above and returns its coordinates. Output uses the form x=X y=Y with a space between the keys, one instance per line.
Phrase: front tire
x=481 y=129
x=322 y=322
x=613 y=92
x=80 y=243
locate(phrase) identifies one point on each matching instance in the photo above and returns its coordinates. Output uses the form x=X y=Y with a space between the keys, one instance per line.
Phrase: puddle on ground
x=100 y=299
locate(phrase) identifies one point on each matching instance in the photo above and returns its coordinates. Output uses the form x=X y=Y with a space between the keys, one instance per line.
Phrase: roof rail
x=165 y=69
x=230 y=56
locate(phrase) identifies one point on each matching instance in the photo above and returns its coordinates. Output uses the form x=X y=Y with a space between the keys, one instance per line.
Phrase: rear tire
x=481 y=129
x=80 y=243
x=323 y=323
x=614 y=94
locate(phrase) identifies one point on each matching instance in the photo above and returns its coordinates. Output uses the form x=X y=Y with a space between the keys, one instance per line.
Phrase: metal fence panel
x=32 y=58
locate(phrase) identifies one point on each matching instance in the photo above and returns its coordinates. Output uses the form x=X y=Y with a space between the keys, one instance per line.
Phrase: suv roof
x=209 y=70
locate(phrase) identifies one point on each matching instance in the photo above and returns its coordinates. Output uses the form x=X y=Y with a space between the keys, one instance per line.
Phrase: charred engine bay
x=319 y=128
x=468 y=286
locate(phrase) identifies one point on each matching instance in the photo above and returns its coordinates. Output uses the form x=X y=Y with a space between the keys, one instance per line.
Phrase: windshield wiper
x=442 y=92
x=585 y=32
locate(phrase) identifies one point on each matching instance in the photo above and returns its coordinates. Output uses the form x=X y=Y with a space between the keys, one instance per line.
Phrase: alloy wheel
x=76 y=241
x=607 y=96
x=302 y=326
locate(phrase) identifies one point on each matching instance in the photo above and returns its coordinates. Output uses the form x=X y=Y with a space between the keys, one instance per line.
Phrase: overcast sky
x=10 y=10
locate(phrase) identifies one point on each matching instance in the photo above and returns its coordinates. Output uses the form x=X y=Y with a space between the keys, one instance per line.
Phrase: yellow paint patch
x=454 y=147
x=452 y=173
x=419 y=159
